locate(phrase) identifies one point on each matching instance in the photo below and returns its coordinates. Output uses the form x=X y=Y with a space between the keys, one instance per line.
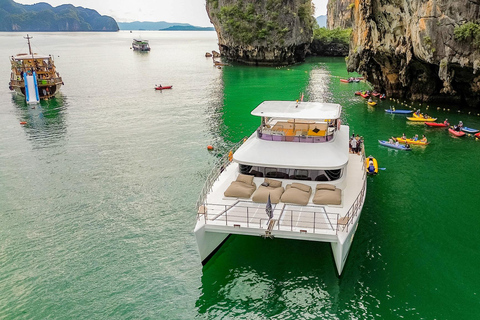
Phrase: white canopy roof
x=26 y=56
x=295 y=155
x=298 y=110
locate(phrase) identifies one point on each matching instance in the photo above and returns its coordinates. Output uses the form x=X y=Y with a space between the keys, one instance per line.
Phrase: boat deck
x=323 y=223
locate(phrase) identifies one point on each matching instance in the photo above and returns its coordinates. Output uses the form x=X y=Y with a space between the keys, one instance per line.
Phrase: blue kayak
x=469 y=130
x=398 y=111
x=387 y=144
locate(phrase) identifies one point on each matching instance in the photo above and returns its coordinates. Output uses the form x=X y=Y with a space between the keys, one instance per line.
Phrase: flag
x=268 y=208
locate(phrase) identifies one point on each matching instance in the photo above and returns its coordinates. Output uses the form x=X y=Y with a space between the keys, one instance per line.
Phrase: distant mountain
x=322 y=21
x=43 y=17
x=160 y=25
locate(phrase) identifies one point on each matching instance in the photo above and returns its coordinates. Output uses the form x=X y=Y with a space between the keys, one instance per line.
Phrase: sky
x=180 y=11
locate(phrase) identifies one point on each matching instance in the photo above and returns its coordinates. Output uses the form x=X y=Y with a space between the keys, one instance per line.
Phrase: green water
x=98 y=191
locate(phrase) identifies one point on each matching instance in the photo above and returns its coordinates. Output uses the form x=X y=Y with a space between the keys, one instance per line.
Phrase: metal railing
x=217 y=169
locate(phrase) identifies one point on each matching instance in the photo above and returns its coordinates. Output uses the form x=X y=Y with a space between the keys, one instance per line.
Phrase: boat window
x=293 y=174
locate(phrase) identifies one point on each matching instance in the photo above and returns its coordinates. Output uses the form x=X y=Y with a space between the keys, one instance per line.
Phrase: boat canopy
x=312 y=156
x=26 y=56
x=298 y=110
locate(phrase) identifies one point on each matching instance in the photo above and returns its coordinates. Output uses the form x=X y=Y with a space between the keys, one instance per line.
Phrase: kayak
x=163 y=88
x=364 y=95
x=411 y=141
x=469 y=130
x=436 y=124
x=376 y=94
x=422 y=119
x=456 y=133
x=398 y=111
x=357 y=93
x=374 y=164
x=344 y=80
x=372 y=103
x=394 y=146
x=477 y=135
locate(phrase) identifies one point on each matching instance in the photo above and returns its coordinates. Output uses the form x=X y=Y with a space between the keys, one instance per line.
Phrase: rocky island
x=43 y=17
x=270 y=32
x=423 y=50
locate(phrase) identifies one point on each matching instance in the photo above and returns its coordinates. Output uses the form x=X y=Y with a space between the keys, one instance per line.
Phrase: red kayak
x=435 y=124
x=164 y=87
x=477 y=135
x=364 y=95
x=344 y=80
x=456 y=133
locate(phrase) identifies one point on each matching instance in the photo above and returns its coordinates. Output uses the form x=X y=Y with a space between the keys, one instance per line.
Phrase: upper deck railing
x=295 y=130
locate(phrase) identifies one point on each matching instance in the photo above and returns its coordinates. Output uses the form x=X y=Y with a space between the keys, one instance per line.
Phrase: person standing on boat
x=353 y=144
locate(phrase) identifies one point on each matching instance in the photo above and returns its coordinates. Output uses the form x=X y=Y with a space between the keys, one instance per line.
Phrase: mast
x=29 y=47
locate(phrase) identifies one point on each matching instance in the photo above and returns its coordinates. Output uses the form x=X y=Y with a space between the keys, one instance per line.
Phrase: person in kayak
x=424 y=139
x=446 y=122
x=415 y=138
x=371 y=167
x=407 y=145
x=404 y=136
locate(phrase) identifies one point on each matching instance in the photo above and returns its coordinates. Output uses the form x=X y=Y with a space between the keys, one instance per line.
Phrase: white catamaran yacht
x=294 y=178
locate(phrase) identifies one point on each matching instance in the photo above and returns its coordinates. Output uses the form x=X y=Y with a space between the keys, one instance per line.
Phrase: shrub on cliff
x=336 y=35
x=469 y=31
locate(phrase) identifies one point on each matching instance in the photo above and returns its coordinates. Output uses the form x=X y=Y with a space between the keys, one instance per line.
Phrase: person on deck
x=353 y=144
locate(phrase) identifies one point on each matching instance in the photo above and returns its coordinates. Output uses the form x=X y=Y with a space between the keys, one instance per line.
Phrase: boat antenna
x=29 y=46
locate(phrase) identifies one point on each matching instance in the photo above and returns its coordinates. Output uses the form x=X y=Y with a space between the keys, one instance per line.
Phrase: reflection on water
x=45 y=121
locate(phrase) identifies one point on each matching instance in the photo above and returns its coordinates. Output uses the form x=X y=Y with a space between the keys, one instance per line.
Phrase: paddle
x=382 y=168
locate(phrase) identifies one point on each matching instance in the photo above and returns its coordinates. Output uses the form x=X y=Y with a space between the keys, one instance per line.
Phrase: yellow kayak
x=411 y=141
x=372 y=103
x=422 y=119
x=372 y=168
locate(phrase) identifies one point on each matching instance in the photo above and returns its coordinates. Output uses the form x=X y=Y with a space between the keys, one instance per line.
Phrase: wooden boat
x=436 y=124
x=398 y=111
x=422 y=119
x=163 y=87
x=34 y=75
x=371 y=168
x=394 y=146
x=469 y=130
x=140 y=45
x=456 y=133
x=411 y=141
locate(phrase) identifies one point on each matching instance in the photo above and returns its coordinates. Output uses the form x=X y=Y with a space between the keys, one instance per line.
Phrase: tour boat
x=34 y=76
x=140 y=45
x=293 y=178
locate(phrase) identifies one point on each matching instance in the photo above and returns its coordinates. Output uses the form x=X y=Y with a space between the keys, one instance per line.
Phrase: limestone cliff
x=424 y=50
x=262 y=32
x=340 y=14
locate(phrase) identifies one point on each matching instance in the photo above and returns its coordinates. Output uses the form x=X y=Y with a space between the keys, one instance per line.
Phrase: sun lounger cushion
x=325 y=186
x=297 y=193
x=261 y=195
x=273 y=183
x=239 y=189
x=327 y=196
x=248 y=179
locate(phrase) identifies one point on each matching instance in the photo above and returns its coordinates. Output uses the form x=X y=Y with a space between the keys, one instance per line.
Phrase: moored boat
x=34 y=76
x=456 y=133
x=293 y=178
x=394 y=146
x=140 y=45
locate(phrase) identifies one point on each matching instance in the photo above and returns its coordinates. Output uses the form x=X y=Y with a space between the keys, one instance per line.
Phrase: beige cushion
x=245 y=178
x=325 y=186
x=302 y=187
x=328 y=197
x=273 y=183
x=240 y=190
x=261 y=195
x=295 y=195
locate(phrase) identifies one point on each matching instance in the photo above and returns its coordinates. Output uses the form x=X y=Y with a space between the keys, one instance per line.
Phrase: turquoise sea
x=98 y=192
